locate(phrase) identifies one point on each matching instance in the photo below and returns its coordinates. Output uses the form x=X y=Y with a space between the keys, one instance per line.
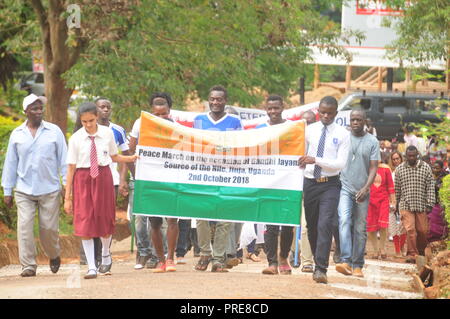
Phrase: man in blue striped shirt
x=35 y=161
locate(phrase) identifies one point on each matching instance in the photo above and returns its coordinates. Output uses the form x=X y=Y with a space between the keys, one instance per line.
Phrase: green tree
x=423 y=37
x=50 y=27
x=184 y=47
x=127 y=49
x=423 y=30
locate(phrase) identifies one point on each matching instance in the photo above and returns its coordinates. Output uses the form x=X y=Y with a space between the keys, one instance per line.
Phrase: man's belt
x=325 y=179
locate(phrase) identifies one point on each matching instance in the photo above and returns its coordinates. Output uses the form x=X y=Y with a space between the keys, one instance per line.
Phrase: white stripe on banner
x=174 y=166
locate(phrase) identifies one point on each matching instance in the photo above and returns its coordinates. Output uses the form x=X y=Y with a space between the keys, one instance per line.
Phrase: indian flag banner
x=243 y=176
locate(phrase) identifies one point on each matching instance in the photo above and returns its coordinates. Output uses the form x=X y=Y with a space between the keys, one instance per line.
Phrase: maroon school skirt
x=94 y=204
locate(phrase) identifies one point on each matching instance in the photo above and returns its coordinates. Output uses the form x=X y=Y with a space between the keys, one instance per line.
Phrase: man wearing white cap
x=35 y=161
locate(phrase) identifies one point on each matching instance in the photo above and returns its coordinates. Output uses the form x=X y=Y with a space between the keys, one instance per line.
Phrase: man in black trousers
x=327 y=147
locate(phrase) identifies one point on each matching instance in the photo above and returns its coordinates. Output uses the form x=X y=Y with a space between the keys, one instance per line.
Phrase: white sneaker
x=141 y=262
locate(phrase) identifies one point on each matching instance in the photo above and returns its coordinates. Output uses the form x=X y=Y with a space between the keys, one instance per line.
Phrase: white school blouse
x=80 y=147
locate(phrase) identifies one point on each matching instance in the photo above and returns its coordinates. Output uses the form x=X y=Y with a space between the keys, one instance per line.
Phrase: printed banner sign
x=245 y=176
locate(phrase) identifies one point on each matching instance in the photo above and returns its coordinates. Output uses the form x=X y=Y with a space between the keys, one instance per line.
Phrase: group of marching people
x=355 y=190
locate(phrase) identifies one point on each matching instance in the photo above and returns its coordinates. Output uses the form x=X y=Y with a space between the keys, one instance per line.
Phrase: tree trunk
x=348 y=77
x=58 y=98
x=316 y=82
x=59 y=57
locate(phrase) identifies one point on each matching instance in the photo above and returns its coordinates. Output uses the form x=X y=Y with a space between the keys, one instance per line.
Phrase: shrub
x=444 y=196
x=12 y=97
x=7 y=125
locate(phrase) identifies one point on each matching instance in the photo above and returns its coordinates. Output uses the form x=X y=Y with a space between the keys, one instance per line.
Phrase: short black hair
x=360 y=110
x=163 y=95
x=102 y=98
x=411 y=148
x=329 y=100
x=219 y=88
x=275 y=97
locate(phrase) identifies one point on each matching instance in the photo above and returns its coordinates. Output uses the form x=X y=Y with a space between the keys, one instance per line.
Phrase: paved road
x=382 y=280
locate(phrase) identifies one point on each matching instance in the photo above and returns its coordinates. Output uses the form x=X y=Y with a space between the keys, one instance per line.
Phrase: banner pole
x=297 y=238
x=133 y=230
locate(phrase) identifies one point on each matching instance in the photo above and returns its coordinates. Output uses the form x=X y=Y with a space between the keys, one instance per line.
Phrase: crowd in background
x=434 y=153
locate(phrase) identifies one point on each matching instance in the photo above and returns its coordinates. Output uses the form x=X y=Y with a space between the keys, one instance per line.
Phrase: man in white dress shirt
x=327 y=151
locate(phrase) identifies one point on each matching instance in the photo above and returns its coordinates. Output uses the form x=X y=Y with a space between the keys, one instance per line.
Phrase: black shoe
x=28 y=273
x=320 y=277
x=105 y=269
x=54 y=264
x=152 y=263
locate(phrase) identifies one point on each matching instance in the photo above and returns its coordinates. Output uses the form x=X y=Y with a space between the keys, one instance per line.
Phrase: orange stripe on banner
x=288 y=139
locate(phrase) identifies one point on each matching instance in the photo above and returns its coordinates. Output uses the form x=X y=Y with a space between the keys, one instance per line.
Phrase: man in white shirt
x=410 y=138
x=327 y=151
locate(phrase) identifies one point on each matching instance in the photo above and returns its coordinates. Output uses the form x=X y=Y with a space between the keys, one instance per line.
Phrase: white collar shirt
x=80 y=147
x=337 y=145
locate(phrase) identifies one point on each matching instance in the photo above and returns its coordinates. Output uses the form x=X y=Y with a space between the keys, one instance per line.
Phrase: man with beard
x=356 y=179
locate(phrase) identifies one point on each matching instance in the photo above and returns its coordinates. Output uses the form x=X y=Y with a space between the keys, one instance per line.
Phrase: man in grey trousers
x=35 y=161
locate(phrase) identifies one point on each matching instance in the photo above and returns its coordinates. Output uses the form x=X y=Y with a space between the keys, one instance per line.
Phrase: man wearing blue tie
x=327 y=147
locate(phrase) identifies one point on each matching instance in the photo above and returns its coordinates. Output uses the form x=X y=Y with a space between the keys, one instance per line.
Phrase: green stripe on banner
x=274 y=206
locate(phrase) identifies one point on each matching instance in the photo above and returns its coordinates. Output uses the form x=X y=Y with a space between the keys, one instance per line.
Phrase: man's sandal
x=285 y=269
x=218 y=267
x=203 y=263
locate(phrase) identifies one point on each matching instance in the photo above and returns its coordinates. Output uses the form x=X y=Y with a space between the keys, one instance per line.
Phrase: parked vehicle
x=390 y=112
x=33 y=83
